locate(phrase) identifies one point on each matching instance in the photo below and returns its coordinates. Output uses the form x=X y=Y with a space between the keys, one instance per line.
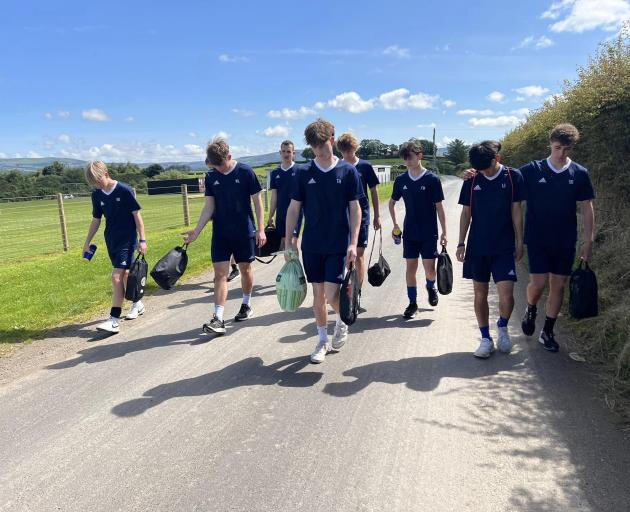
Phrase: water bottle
x=397 y=236
x=88 y=254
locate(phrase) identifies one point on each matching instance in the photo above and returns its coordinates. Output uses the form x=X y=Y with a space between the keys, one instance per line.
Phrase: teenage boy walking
x=124 y=231
x=230 y=189
x=328 y=189
x=554 y=187
x=348 y=144
x=421 y=190
x=281 y=184
x=492 y=200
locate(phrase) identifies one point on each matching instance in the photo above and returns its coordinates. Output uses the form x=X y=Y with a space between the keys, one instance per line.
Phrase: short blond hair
x=347 y=142
x=94 y=171
x=217 y=151
x=318 y=132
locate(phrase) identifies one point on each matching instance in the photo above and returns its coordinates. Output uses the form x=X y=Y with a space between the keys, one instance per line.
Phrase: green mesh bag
x=291 y=284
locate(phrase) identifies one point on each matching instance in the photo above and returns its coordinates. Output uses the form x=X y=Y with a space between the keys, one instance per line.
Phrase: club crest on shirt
x=118 y=199
x=503 y=185
x=236 y=181
x=338 y=180
x=570 y=182
x=423 y=187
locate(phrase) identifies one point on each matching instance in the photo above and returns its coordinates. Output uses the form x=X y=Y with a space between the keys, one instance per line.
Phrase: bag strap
x=259 y=260
x=373 y=244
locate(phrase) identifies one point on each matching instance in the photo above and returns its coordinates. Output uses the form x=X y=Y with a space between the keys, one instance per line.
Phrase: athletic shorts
x=243 y=249
x=122 y=257
x=320 y=268
x=479 y=268
x=364 y=233
x=412 y=249
x=281 y=226
x=554 y=260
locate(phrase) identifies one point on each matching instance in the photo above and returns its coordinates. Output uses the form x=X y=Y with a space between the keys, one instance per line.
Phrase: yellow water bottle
x=397 y=233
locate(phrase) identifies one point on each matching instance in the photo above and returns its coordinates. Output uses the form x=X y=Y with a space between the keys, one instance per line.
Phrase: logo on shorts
x=542 y=180
x=124 y=262
x=143 y=281
x=477 y=188
x=511 y=273
x=311 y=181
x=216 y=182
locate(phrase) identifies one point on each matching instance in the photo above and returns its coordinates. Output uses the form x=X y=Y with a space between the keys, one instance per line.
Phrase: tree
x=457 y=151
x=308 y=154
x=153 y=170
x=54 y=169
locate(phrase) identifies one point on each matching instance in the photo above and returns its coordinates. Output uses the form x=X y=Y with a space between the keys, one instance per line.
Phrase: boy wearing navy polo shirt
x=117 y=202
x=492 y=199
x=554 y=187
x=348 y=144
x=230 y=189
x=328 y=190
x=422 y=193
x=281 y=184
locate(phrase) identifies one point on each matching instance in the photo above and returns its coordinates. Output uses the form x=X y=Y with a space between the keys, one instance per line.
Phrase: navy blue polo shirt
x=420 y=196
x=550 y=219
x=117 y=207
x=491 y=229
x=325 y=197
x=233 y=217
x=369 y=179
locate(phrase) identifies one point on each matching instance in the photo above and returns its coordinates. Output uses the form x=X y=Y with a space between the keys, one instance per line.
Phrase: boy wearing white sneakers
x=124 y=232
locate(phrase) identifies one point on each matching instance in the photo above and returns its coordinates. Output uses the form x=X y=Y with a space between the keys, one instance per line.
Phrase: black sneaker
x=411 y=310
x=549 y=341
x=528 y=323
x=233 y=274
x=433 y=296
x=214 y=326
x=244 y=313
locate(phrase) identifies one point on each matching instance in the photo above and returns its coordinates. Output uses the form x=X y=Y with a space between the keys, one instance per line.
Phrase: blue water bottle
x=88 y=254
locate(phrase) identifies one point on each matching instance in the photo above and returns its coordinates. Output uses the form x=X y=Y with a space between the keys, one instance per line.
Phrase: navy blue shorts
x=479 y=268
x=281 y=224
x=244 y=249
x=412 y=249
x=364 y=233
x=554 y=260
x=320 y=268
x=122 y=257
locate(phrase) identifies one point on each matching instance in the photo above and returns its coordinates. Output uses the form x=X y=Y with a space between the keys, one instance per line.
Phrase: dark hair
x=566 y=134
x=287 y=143
x=482 y=154
x=409 y=147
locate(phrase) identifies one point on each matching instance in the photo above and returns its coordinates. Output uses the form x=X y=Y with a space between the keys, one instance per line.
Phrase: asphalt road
x=164 y=418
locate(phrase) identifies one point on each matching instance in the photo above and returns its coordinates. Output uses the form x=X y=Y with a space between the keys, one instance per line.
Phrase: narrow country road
x=164 y=418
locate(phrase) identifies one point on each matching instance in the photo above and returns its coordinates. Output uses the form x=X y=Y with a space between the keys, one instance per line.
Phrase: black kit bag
x=349 y=296
x=583 y=292
x=378 y=272
x=444 y=272
x=137 y=279
x=170 y=268
x=272 y=245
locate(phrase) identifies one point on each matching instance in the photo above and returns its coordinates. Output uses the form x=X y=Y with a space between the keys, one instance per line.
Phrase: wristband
x=461 y=244
x=142 y=241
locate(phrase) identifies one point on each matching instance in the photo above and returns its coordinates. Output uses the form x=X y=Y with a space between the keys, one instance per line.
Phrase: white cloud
x=445 y=141
x=276 y=131
x=135 y=152
x=538 y=44
x=449 y=103
x=192 y=135
x=243 y=112
x=473 y=112
x=532 y=91
x=95 y=115
x=401 y=99
x=224 y=57
x=319 y=105
x=33 y=154
x=48 y=115
x=3 y=155
x=64 y=138
x=351 y=102
x=221 y=135
x=63 y=114
x=287 y=113
x=521 y=112
x=584 y=15
x=496 y=96
x=397 y=52
x=520 y=98
x=494 y=121
x=430 y=125
x=445 y=48
x=129 y=119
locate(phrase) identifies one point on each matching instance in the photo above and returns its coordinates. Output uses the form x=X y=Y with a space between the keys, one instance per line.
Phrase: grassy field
x=42 y=291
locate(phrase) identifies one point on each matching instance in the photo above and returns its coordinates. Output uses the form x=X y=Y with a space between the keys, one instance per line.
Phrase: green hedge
x=598 y=103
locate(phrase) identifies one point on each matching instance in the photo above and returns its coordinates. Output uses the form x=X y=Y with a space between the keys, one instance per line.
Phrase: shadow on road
x=248 y=372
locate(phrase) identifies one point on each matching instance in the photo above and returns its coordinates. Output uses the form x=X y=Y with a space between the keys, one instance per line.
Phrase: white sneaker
x=319 y=354
x=137 y=309
x=340 y=336
x=110 y=325
x=504 y=344
x=486 y=349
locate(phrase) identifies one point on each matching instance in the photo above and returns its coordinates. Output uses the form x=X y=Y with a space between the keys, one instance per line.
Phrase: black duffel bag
x=444 y=272
x=583 y=292
x=170 y=268
x=272 y=245
x=349 y=296
x=137 y=279
x=378 y=272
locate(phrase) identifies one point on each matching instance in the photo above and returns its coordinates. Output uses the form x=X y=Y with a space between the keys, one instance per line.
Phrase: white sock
x=218 y=311
x=246 y=298
x=322 y=332
x=137 y=304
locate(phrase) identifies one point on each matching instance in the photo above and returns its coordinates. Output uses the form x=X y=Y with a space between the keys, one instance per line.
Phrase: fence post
x=62 y=222
x=134 y=191
x=266 y=199
x=186 y=205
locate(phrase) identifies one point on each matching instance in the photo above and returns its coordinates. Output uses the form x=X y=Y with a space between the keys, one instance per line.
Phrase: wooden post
x=185 y=204
x=62 y=222
x=266 y=199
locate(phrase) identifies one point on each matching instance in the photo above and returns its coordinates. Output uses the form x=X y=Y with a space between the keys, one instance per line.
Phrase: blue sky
x=153 y=81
